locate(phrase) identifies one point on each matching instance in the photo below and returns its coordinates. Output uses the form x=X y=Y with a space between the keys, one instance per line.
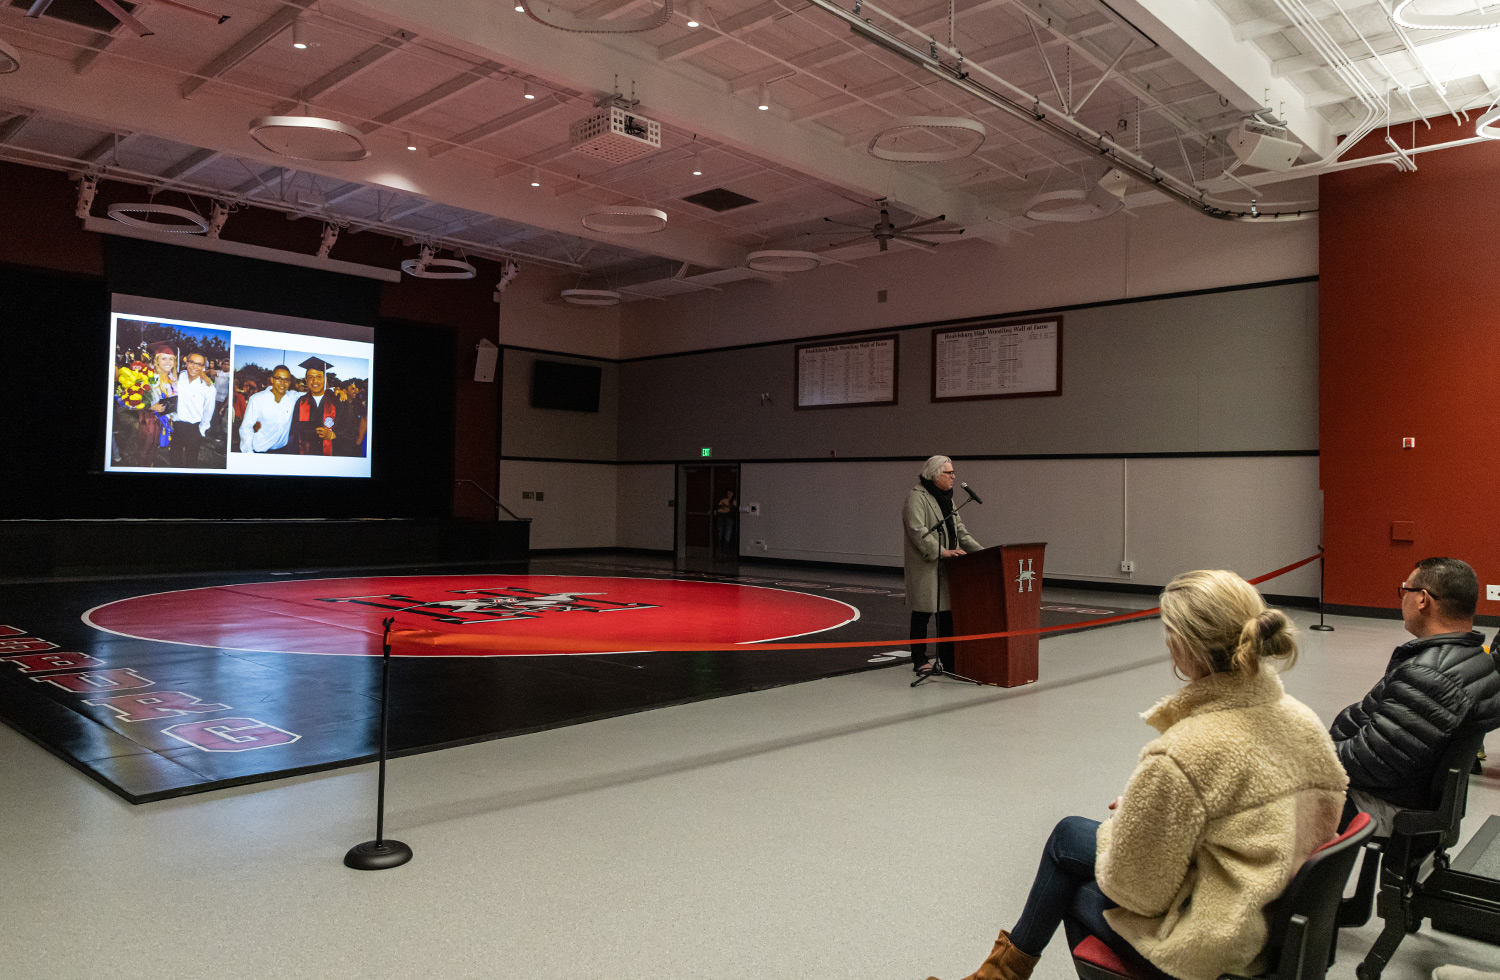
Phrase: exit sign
x=708 y=451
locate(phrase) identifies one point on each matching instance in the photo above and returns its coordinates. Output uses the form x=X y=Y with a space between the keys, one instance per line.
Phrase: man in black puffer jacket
x=1391 y=741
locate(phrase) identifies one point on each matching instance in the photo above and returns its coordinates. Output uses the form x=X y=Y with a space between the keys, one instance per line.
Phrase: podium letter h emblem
x=1025 y=576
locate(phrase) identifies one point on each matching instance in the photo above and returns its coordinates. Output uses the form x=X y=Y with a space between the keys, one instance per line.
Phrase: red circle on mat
x=343 y=615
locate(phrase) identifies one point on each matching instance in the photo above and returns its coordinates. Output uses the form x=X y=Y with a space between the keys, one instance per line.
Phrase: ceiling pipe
x=1030 y=109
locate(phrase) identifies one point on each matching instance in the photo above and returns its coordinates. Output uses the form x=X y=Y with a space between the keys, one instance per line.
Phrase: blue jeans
x=1065 y=893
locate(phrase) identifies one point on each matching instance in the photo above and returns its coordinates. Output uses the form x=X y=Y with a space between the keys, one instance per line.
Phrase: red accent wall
x=1409 y=322
x=38 y=228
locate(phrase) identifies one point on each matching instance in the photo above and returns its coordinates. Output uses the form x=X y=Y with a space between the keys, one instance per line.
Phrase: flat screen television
x=566 y=386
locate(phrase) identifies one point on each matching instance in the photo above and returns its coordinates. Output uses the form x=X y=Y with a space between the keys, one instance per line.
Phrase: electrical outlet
x=759 y=543
x=1492 y=593
x=1127 y=565
x=527 y=495
x=540 y=496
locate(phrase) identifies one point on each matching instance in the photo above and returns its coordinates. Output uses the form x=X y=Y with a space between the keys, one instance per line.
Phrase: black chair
x=1405 y=897
x=1302 y=925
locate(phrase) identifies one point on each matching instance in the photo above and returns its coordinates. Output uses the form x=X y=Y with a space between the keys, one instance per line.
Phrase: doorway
x=708 y=512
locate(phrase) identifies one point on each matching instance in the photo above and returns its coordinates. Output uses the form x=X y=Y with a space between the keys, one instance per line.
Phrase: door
x=708 y=512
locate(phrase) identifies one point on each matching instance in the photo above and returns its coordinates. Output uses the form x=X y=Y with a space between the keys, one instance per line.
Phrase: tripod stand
x=937 y=669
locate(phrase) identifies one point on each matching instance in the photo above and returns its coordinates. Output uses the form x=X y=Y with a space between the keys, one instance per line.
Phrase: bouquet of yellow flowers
x=133 y=386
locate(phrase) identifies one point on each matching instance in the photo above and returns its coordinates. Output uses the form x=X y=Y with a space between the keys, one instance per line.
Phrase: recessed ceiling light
x=764 y=101
x=697 y=173
x=520 y=8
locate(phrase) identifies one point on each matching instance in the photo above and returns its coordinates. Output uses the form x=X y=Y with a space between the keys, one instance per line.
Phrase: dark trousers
x=186 y=441
x=921 y=654
x=1065 y=893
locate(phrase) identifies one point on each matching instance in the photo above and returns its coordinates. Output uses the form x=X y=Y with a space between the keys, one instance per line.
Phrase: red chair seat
x=1093 y=951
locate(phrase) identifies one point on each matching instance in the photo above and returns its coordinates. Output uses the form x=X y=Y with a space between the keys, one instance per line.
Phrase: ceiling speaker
x=1266 y=152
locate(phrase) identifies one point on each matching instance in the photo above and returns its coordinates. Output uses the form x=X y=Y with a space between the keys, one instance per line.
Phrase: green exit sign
x=708 y=451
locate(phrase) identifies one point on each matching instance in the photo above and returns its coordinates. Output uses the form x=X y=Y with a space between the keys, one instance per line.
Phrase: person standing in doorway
x=934 y=531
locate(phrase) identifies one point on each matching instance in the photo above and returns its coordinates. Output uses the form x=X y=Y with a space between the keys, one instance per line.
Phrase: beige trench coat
x=926 y=579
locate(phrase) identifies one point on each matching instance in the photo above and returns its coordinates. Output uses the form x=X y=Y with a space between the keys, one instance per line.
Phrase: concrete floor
x=850 y=827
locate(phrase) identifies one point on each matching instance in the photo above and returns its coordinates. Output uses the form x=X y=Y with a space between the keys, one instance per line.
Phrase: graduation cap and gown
x=325 y=412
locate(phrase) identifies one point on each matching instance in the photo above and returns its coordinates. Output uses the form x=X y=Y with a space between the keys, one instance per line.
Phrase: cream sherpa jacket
x=1222 y=810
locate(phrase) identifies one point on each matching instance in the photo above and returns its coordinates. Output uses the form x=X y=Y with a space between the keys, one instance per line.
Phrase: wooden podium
x=991 y=591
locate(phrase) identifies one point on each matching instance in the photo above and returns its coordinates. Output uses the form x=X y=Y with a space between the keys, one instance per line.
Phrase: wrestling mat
x=214 y=683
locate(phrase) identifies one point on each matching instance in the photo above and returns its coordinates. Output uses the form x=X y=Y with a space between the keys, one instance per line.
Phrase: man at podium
x=934 y=531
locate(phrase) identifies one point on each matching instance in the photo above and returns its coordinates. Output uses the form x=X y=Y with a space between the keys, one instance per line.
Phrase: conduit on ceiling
x=1030 y=109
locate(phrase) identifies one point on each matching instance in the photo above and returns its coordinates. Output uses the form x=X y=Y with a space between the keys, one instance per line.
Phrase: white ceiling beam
x=707 y=36
x=94 y=48
x=1203 y=40
x=97 y=152
x=347 y=72
x=1260 y=27
x=258 y=36
x=433 y=97
x=343 y=194
x=677 y=94
x=510 y=120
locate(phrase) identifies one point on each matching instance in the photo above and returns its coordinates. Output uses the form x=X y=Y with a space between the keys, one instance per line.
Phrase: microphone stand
x=380 y=854
x=937 y=669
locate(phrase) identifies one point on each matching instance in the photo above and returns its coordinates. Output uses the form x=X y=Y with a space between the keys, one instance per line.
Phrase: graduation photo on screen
x=299 y=403
x=170 y=392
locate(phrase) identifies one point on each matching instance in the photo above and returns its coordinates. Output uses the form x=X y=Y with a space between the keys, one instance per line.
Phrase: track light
x=764 y=101
x=411 y=144
x=694 y=14
x=536 y=179
x=526 y=92
x=298 y=41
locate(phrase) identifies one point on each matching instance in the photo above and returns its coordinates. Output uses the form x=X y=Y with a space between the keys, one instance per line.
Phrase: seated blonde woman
x=1226 y=804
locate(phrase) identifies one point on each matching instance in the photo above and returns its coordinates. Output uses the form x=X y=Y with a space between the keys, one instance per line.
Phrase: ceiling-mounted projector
x=617 y=134
x=1253 y=148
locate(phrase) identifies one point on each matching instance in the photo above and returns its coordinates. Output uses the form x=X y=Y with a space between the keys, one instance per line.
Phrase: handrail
x=493 y=499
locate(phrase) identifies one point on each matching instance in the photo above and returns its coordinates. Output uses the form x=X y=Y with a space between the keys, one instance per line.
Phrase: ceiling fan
x=119 y=13
x=885 y=231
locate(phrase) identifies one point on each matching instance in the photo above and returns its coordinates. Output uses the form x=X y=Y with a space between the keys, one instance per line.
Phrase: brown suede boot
x=1005 y=962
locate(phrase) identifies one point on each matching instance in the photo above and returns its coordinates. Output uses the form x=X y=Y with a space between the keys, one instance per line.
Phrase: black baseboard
x=644 y=552
x=1381 y=612
x=833 y=566
x=1139 y=588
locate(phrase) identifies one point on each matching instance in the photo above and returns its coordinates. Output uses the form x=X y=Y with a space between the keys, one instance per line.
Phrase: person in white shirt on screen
x=268 y=414
x=195 y=407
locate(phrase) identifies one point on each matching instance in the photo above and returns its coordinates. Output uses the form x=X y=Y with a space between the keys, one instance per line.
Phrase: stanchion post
x=1321 y=626
x=379 y=854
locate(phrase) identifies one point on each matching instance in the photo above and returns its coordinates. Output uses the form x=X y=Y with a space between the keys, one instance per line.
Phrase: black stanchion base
x=377 y=855
x=1321 y=628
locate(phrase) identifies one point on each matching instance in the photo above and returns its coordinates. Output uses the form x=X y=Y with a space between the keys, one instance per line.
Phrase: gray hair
x=933 y=467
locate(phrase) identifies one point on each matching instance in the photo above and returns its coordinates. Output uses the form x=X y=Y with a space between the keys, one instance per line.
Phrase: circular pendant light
x=782 y=260
x=309 y=138
x=1072 y=206
x=968 y=133
x=1485 y=125
x=125 y=214
x=566 y=20
x=1473 y=20
x=625 y=220
x=591 y=297
x=9 y=60
x=433 y=269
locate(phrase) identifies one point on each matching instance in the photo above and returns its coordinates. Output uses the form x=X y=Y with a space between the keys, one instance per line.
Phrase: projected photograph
x=299 y=402
x=170 y=395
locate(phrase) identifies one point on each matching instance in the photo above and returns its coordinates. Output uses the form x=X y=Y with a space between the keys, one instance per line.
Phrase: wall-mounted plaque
x=1013 y=359
x=855 y=372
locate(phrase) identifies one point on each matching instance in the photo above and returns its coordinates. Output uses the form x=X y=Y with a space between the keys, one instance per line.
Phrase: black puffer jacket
x=1391 y=741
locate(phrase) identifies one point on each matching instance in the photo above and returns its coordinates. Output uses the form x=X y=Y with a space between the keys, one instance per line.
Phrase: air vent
x=85 y=13
x=719 y=199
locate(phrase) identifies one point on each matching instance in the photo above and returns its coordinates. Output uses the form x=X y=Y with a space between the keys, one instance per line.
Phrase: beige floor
x=848 y=828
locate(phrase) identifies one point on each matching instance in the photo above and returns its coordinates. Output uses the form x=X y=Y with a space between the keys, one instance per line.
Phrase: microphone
x=972 y=495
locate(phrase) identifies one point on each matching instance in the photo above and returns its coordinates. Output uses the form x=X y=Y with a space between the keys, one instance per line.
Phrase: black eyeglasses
x=1401 y=590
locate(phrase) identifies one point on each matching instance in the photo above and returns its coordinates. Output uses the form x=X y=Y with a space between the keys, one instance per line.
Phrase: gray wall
x=1222 y=372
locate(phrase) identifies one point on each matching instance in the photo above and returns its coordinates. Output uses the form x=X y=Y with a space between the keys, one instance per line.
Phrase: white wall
x=532 y=315
x=1250 y=514
x=578 y=506
x=1149 y=251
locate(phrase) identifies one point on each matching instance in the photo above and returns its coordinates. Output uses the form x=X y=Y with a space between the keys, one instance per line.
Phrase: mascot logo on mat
x=494 y=605
x=1025 y=577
